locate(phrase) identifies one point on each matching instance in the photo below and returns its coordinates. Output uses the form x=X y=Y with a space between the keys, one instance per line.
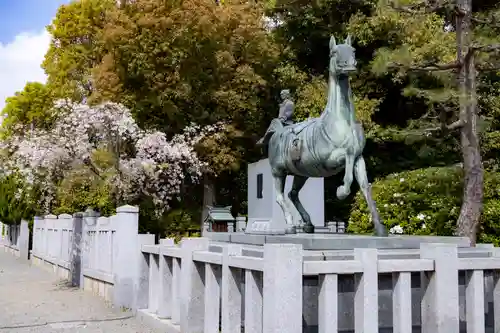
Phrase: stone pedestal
x=265 y=216
x=326 y=241
x=241 y=223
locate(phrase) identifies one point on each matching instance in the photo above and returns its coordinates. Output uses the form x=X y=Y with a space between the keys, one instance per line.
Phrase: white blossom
x=397 y=229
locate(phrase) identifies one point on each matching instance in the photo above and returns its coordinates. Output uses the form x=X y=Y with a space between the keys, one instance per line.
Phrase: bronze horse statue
x=324 y=146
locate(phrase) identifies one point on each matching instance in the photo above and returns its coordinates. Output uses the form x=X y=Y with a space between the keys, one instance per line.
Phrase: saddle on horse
x=277 y=125
x=299 y=127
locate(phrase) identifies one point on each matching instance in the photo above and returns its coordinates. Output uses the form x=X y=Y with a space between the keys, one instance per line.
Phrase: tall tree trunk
x=470 y=212
x=208 y=197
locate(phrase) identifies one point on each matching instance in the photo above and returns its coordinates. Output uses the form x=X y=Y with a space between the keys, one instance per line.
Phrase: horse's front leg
x=344 y=190
x=362 y=178
x=337 y=158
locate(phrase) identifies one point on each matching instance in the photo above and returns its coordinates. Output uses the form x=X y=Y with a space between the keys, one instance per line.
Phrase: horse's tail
x=275 y=126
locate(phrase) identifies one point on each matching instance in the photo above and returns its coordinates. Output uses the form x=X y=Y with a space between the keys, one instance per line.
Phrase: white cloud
x=20 y=62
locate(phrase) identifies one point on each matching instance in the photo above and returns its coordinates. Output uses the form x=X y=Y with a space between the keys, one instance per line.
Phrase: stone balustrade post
x=332 y=227
x=50 y=245
x=341 y=227
x=231 y=291
x=24 y=238
x=166 y=280
x=127 y=257
x=192 y=311
x=440 y=302
x=241 y=223
x=76 y=269
x=282 y=288
x=36 y=235
x=366 y=292
x=141 y=278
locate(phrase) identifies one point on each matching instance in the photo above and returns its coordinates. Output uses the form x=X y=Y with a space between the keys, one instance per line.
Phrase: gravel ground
x=32 y=300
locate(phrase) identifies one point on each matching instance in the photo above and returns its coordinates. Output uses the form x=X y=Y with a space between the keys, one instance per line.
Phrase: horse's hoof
x=291 y=230
x=308 y=229
x=342 y=192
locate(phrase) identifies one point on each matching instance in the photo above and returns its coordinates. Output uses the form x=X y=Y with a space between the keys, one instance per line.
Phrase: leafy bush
x=81 y=189
x=179 y=223
x=15 y=203
x=427 y=202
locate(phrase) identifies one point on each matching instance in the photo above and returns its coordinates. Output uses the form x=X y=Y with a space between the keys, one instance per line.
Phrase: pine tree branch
x=455 y=125
x=487 y=48
x=429 y=67
x=428 y=116
x=486 y=68
x=421 y=7
x=492 y=23
x=450 y=127
x=481 y=48
x=434 y=67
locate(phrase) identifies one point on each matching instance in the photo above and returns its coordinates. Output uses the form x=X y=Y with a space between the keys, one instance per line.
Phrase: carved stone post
x=76 y=269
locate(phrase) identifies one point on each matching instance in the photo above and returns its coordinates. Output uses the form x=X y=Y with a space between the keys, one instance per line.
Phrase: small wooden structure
x=220 y=219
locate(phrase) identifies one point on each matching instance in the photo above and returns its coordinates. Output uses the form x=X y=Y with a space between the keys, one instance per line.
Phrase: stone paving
x=32 y=300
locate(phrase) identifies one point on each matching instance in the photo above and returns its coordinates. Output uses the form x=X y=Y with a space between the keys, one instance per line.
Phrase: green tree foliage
x=81 y=189
x=27 y=108
x=489 y=101
x=399 y=42
x=14 y=203
x=178 y=62
x=438 y=50
x=306 y=27
x=193 y=61
x=304 y=30
x=75 y=47
x=427 y=202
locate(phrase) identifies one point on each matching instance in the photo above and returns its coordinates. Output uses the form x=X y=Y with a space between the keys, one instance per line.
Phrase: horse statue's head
x=342 y=57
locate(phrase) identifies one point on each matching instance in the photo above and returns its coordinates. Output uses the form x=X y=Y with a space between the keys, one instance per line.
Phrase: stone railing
x=203 y=286
x=52 y=236
x=15 y=239
x=95 y=253
x=196 y=287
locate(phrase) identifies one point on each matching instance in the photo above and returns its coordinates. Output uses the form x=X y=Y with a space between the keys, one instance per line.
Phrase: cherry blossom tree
x=160 y=167
x=147 y=163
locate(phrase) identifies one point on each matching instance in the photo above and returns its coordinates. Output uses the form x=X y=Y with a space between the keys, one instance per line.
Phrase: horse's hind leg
x=279 y=184
x=361 y=177
x=298 y=184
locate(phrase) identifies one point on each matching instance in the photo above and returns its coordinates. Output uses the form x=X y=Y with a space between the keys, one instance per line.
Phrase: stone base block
x=98 y=288
x=324 y=242
x=263 y=227
x=159 y=324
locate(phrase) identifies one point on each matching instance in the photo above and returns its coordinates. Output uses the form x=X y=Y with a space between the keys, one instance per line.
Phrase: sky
x=23 y=42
